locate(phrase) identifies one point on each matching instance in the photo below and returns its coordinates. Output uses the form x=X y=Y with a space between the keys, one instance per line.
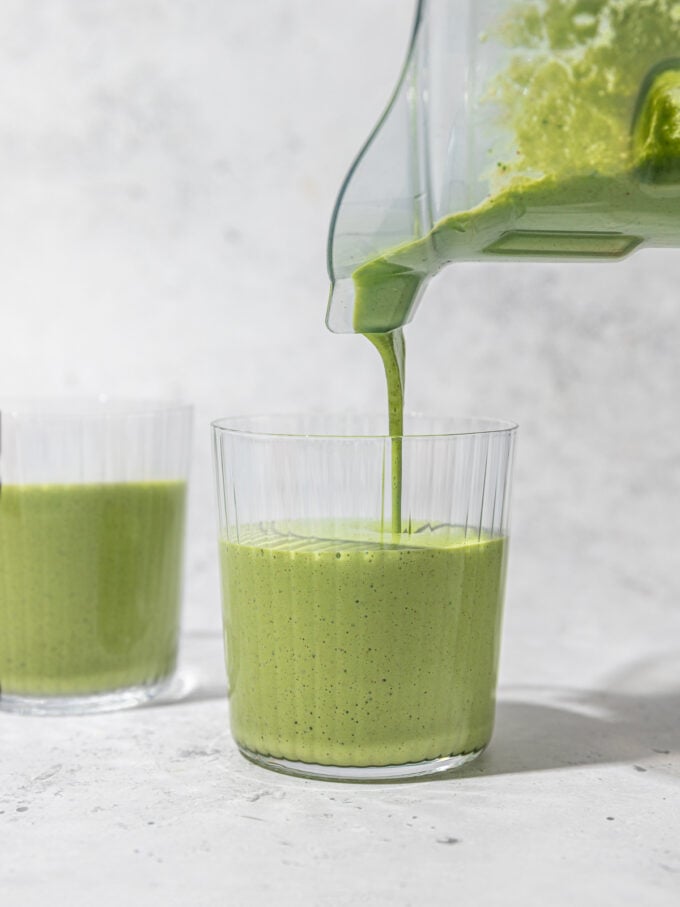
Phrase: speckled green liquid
x=358 y=652
x=89 y=586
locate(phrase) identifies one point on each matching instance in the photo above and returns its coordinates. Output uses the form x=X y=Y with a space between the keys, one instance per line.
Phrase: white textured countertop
x=576 y=802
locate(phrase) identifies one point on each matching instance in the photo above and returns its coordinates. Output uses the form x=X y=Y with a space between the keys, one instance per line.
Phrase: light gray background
x=167 y=174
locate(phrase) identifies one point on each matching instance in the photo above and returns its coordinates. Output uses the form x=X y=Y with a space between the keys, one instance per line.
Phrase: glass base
x=361 y=774
x=88 y=704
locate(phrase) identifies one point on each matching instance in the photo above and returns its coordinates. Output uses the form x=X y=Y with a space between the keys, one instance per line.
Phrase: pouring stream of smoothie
x=392 y=351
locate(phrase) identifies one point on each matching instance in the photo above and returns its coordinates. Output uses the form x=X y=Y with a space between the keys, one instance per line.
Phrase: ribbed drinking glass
x=92 y=506
x=355 y=651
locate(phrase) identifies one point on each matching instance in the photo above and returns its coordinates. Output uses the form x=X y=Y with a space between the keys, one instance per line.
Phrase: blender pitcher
x=533 y=129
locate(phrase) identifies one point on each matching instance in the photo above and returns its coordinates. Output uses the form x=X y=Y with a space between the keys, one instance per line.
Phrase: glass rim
x=244 y=426
x=87 y=407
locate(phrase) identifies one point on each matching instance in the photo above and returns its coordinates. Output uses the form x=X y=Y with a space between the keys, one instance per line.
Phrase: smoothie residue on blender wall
x=590 y=105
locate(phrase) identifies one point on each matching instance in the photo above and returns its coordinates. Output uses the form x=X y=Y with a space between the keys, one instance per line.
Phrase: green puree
x=589 y=105
x=89 y=586
x=359 y=652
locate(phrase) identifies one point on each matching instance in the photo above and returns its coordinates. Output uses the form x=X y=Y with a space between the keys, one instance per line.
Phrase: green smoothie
x=587 y=163
x=363 y=650
x=89 y=586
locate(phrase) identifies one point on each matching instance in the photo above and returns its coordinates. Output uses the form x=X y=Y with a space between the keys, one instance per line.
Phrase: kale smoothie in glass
x=92 y=512
x=89 y=586
x=359 y=647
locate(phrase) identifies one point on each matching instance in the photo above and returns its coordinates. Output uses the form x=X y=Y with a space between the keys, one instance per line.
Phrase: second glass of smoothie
x=362 y=644
x=92 y=508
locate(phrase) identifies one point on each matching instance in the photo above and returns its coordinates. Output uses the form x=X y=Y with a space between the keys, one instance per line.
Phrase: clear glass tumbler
x=92 y=505
x=356 y=652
